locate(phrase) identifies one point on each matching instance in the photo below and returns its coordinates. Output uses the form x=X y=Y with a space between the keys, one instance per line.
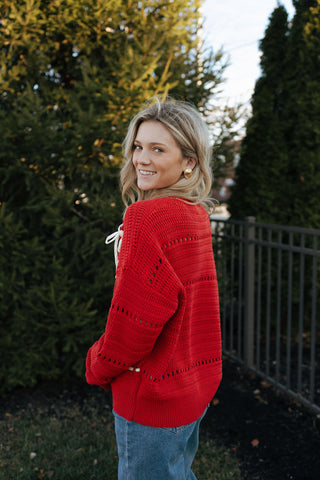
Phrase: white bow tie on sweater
x=116 y=237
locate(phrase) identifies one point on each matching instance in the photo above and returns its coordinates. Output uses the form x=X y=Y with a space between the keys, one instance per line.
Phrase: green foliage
x=47 y=321
x=72 y=74
x=263 y=148
x=278 y=175
x=224 y=135
x=302 y=116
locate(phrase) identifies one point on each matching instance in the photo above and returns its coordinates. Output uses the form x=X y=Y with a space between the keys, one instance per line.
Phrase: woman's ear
x=191 y=162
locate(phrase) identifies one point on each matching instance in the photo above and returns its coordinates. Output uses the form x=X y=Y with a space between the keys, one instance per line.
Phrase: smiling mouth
x=146 y=172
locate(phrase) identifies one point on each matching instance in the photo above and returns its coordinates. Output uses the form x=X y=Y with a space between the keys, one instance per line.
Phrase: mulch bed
x=272 y=437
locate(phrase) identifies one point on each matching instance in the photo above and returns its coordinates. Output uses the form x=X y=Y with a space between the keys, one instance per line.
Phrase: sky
x=237 y=26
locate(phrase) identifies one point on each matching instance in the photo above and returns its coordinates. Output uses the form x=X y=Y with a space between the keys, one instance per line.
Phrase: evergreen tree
x=302 y=116
x=260 y=174
x=278 y=176
x=72 y=75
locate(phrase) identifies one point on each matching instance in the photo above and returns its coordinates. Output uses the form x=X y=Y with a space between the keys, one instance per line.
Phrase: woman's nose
x=144 y=157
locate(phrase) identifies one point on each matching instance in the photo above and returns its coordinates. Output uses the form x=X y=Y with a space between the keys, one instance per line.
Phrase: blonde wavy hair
x=191 y=133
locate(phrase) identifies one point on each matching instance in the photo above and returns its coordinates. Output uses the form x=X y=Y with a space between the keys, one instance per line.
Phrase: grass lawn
x=65 y=442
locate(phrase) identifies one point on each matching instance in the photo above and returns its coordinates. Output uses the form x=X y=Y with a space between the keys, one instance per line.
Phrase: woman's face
x=157 y=157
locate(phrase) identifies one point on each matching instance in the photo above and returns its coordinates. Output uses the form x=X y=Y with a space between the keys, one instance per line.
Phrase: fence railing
x=269 y=295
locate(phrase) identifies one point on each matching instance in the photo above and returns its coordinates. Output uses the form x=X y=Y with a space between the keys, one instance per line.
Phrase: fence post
x=249 y=249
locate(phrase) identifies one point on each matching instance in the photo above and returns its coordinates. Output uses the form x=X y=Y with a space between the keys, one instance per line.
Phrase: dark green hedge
x=54 y=291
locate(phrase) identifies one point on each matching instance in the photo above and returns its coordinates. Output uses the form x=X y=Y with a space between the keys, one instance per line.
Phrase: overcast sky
x=237 y=26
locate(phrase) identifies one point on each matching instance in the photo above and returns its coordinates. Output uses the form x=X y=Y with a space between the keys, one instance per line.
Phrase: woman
x=161 y=350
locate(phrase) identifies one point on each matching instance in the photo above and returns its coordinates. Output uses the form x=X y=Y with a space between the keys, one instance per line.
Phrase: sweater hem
x=168 y=412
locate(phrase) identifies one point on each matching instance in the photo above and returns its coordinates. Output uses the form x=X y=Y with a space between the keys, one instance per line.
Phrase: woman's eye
x=137 y=147
x=158 y=150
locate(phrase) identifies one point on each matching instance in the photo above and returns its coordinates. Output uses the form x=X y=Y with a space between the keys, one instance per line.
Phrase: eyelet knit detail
x=172 y=373
x=177 y=241
x=132 y=317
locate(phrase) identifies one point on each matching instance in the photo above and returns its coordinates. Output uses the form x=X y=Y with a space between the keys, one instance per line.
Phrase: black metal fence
x=269 y=294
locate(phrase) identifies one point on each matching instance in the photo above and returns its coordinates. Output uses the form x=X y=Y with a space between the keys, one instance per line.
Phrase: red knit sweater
x=164 y=317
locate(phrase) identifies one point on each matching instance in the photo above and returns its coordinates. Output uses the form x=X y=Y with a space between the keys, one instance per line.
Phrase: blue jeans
x=156 y=453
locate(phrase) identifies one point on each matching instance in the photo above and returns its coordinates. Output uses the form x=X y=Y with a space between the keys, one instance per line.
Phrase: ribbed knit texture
x=164 y=317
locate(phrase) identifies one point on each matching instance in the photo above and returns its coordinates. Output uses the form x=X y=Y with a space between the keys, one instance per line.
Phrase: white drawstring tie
x=116 y=237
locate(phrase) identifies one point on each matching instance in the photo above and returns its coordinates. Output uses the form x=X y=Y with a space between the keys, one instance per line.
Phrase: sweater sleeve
x=146 y=295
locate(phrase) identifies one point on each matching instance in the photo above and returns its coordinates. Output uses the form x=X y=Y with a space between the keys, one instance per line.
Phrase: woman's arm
x=146 y=295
